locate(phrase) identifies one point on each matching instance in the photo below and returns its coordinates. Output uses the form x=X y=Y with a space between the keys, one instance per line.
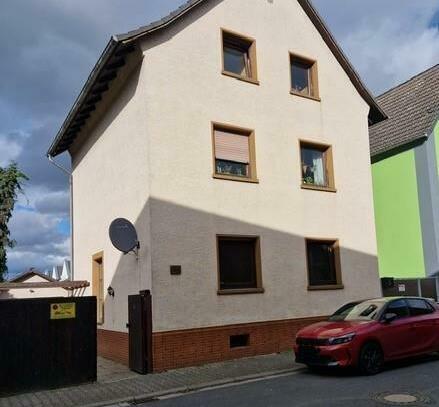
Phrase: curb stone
x=143 y=398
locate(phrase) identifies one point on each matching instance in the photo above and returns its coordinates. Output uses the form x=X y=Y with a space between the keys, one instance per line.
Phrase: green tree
x=11 y=179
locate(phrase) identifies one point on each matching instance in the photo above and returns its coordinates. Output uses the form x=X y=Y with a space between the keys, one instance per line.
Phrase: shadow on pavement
x=390 y=366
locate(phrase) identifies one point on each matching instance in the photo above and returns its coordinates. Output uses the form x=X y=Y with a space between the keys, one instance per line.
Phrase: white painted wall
x=150 y=160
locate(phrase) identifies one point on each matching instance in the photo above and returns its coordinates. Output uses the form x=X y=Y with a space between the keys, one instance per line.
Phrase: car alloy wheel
x=371 y=359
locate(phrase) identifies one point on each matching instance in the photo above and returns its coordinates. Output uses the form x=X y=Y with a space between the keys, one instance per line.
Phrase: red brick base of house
x=190 y=347
x=113 y=345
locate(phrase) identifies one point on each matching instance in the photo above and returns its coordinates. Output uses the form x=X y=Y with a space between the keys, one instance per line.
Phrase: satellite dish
x=123 y=235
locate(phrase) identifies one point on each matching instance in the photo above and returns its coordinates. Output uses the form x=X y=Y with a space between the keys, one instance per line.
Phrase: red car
x=366 y=334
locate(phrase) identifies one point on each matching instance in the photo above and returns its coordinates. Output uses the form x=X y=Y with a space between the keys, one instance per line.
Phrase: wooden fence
x=47 y=343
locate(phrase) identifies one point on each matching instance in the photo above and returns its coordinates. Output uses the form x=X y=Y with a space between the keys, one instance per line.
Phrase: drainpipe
x=69 y=174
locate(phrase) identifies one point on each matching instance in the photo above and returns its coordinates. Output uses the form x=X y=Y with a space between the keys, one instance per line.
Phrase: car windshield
x=358 y=311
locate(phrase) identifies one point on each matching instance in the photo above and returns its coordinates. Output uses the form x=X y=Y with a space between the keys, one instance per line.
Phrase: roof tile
x=412 y=108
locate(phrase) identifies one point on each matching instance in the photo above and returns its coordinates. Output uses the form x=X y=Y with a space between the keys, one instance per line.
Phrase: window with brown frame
x=316 y=166
x=98 y=285
x=323 y=260
x=239 y=56
x=234 y=153
x=239 y=264
x=304 y=80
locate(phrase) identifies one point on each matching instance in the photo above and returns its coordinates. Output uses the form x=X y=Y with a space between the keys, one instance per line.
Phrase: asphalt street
x=409 y=380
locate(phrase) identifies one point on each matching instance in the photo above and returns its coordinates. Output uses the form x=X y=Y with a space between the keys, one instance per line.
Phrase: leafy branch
x=11 y=179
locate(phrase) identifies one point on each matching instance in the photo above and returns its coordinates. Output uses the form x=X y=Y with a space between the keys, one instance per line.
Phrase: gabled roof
x=113 y=58
x=28 y=274
x=413 y=110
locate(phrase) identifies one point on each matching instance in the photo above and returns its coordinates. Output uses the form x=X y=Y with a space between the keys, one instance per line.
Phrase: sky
x=48 y=48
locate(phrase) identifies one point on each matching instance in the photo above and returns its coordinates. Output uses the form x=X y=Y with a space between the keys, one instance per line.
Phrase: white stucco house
x=234 y=135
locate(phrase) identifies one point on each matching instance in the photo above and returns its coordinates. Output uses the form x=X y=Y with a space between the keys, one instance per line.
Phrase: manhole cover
x=401 y=398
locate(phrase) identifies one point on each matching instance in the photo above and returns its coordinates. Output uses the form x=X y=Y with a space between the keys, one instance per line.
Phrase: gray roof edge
x=420 y=139
x=398 y=148
x=399 y=85
x=159 y=24
x=29 y=273
x=100 y=64
x=315 y=17
x=341 y=57
x=375 y=110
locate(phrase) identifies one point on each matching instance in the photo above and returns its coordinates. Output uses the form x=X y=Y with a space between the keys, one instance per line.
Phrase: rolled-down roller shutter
x=231 y=147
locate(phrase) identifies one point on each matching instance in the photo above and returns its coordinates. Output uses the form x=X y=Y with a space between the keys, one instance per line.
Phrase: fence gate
x=140 y=332
x=416 y=287
x=47 y=343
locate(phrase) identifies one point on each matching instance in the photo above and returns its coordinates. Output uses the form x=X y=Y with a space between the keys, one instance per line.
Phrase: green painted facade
x=397 y=216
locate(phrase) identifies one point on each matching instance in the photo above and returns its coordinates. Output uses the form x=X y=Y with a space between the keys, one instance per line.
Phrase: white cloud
x=11 y=146
x=45 y=201
x=40 y=243
x=22 y=260
x=387 y=41
x=387 y=55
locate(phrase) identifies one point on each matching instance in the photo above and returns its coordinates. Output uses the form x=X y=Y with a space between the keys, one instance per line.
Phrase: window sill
x=241 y=291
x=315 y=98
x=317 y=188
x=241 y=78
x=325 y=287
x=235 y=178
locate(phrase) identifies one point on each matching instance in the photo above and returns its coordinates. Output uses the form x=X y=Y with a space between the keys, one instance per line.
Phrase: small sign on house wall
x=401 y=288
x=66 y=310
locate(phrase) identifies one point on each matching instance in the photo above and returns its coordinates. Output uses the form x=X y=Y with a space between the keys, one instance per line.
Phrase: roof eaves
x=100 y=64
x=399 y=85
x=159 y=24
x=60 y=143
x=380 y=154
x=29 y=273
x=376 y=115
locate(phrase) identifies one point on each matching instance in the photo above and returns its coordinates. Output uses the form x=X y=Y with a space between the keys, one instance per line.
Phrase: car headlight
x=341 y=339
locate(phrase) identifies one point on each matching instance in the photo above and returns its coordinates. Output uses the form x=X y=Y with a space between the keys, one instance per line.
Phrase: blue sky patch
x=434 y=23
x=64 y=227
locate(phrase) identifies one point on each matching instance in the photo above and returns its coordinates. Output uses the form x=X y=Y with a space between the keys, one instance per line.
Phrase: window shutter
x=231 y=147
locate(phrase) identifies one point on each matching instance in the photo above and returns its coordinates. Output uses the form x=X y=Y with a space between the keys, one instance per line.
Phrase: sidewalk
x=117 y=384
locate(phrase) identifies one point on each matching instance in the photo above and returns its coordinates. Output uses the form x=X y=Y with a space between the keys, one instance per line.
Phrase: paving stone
x=116 y=382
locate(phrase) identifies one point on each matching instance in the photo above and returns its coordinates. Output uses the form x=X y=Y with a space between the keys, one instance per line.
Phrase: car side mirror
x=389 y=317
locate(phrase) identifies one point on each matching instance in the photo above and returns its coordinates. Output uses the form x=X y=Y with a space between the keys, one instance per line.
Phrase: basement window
x=239 y=341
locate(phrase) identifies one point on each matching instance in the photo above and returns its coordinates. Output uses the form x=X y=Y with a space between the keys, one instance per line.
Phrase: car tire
x=314 y=369
x=371 y=359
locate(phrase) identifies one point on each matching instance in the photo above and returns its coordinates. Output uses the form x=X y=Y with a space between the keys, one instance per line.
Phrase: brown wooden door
x=140 y=332
x=428 y=288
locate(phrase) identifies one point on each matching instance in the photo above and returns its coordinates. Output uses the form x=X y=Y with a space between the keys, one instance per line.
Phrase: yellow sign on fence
x=63 y=310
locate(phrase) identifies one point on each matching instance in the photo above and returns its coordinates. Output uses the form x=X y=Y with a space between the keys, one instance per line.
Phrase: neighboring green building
x=405 y=157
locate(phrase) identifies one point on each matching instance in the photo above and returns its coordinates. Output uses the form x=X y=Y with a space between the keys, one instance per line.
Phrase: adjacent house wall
x=436 y=138
x=34 y=292
x=397 y=217
x=406 y=196
x=428 y=195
